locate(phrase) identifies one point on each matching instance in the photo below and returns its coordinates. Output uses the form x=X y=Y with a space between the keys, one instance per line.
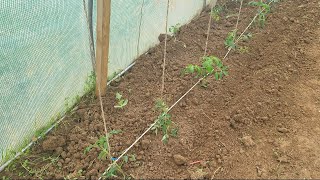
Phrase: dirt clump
x=198 y=174
x=53 y=142
x=179 y=160
x=247 y=141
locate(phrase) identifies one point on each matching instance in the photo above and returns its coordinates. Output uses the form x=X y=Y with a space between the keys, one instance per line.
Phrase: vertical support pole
x=102 y=48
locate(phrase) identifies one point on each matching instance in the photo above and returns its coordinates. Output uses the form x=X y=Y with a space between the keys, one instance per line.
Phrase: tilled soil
x=261 y=121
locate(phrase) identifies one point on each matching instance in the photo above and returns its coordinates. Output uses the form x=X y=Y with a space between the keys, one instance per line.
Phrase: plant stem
x=236 y=29
x=208 y=32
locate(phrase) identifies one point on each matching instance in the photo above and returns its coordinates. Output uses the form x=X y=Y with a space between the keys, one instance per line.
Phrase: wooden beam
x=102 y=49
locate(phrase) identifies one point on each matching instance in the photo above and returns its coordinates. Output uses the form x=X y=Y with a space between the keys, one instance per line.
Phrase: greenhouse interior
x=160 y=89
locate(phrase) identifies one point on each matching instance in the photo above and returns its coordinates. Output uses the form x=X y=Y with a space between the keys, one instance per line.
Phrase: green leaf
x=125 y=102
x=101 y=140
x=112 y=172
x=216 y=75
x=253 y=3
x=102 y=155
x=115 y=132
x=216 y=60
x=125 y=159
x=132 y=157
x=165 y=138
x=208 y=65
x=118 y=96
x=189 y=69
x=198 y=70
x=229 y=42
x=88 y=149
x=174 y=132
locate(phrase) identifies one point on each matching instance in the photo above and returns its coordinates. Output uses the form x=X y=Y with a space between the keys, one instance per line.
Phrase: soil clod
x=179 y=160
x=53 y=142
x=282 y=130
x=247 y=141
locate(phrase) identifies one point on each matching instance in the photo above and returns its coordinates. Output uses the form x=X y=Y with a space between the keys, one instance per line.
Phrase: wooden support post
x=102 y=49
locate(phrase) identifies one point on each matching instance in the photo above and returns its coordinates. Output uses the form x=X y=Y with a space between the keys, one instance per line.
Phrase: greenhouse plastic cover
x=45 y=54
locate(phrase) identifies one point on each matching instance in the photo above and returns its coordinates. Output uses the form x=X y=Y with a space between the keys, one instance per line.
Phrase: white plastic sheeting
x=125 y=18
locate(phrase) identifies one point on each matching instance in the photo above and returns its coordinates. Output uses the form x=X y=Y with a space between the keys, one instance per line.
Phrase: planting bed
x=261 y=121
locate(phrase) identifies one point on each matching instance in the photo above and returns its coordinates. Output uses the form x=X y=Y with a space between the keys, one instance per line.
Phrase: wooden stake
x=102 y=49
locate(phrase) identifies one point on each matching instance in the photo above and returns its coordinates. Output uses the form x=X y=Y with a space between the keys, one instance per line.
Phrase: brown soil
x=261 y=121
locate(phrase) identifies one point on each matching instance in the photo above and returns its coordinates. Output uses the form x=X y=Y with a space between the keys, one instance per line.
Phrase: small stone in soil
x=139 y=157
x=150 y=164
x=67 y=160
x=283 y=159
x=63 y=154
x=141 y=153
x=145 y=144
x=162 y=37
x=179 y=160
x=291 y=19
x=247 y=141
x=282 y=130
x=219 y=161
x=264 y=119
x=59 y=150
x=182 y=104
x=270 y=39
x=228 y=24
x=77 y=155
x=259 y=172
x=213 y=164
x=233 y=124
x=203 y=163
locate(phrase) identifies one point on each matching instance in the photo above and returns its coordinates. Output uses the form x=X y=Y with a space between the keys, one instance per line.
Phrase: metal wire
x=236 y=29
